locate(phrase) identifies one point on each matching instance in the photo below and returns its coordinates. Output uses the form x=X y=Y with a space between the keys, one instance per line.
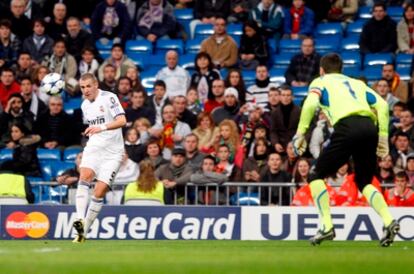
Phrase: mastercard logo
x=33 y=225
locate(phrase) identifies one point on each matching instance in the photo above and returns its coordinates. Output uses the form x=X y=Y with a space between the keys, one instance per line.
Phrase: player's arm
x=308 y=110
x=120 y=121
x=381 y=107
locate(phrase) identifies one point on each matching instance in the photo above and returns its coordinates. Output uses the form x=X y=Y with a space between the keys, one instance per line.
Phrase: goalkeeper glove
x=382 y=148
x=299 y=144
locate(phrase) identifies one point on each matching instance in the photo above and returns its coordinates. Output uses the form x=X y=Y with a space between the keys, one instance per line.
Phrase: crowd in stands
x=206 y=123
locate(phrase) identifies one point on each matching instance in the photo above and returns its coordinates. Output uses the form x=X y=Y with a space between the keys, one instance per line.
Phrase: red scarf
x=296 y=15
x=167 y=133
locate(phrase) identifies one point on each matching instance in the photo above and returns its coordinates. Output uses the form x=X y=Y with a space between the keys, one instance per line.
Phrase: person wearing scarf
x=299 y=21
x=399 y=88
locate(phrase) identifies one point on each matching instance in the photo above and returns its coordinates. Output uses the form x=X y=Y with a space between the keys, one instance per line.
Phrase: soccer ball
x=52 y=84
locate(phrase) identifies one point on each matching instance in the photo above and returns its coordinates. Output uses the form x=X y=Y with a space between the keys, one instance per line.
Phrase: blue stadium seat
x=404 y=73
x=350 y=43
x=403 y=60
x=372 y=73
x=298 y=101
x=235 y=29
x=300 y=91
x=105 y=54
x=282 y=60
x=164 y=45
x=148 y=78
x=193 y=46
x=45 y=154
x=58 y=167
x=6 y=154
x=377 y=59
x=184 y=17
x=203 y=31
x=140 y=59
x=395 y=12
x=288 y=45
x=354 y=28
x=72 y=104
x=328 y=29
x=272 y=46
x=354 y=72
x=187 y=61
x=46 y=167
x=325 y=45
x=365 y=12
x=104 y=49
x=57 y=195
x=142 y=46
x=277 y=75
x=249 y=77
x=351 y=59
x=69 y=154
x=156 y=61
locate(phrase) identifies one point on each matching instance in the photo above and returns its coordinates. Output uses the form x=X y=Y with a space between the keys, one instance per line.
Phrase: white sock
x=82 y=199
x=94 y=208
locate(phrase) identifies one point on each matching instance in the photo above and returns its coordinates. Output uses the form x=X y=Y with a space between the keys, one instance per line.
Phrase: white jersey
x=103 y=110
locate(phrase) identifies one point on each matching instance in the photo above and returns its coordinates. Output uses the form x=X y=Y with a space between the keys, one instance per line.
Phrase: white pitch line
x=47 y=249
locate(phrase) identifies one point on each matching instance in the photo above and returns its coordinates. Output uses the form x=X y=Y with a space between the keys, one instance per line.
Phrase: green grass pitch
x=26 y=257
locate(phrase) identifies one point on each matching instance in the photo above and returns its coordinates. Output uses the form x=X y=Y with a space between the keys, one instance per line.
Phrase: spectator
x=399 y=151
x=269 y=17
x=399 y=88
x=78 y=39
x=349 y=194
x=55 y=126
x=253 y=48
x=405 y=31
x=16 y=186
x=273 y=174
x=218 y=96
x=9 y=45
x=256 y=164
x=206 y=132
x=401 y=194
x=193 y=102
x=138 y=109
x=258 y=93
x=88 y=62
x=260 y=131
x=8 y=86
x=24 y=160
x=382 y=87
x=239 y=11
x=229 y=136
x=406 y=125
x=154 y=153
x=175 y=77
x=235 y=79
x=156 y=20
x=385 y=172
x=123 y=91
x=57 y=25
x=38 y=74
x=147 y=186
x=320 y=135
x=183 y=114
x=119 y=60
x=174 y=176
x=24 y=67
x=225 y=166
x=33 y=10
x=299 y=21
x=158 y=100
x=231 y=107
x=63 y=63
x=70 y=177
x=39 y=45
x=171 y=131
x=204 y=76
x=290 y=159
x=343 y=11
x=220 y=46
x=301 y=172
x=273 y=97
x=207 y=11
x=248 y=123
x=409 y=169
x=20 y=24
x=303 y=67
x=108 y=81
x=379 y=34
x=285 y=120
x=133 y=74
x=110 y=21
x=31 y=101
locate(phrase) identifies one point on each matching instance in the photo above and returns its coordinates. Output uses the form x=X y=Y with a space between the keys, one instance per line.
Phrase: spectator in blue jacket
x=156 y=20
x=269 y=17
x=110 y=21
x=299 y=21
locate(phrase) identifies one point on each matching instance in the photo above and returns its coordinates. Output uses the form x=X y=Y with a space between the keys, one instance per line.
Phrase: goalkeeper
x=358 y=132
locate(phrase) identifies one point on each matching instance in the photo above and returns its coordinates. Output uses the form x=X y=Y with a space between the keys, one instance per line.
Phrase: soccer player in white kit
x=103 y=153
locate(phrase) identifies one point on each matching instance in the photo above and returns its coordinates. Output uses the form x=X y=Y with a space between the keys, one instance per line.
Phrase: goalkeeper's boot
x=79 y=227
x=322 y=236
x=389 y=233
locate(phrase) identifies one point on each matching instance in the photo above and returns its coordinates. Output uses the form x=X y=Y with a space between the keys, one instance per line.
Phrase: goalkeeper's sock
x=82 y=199
x=321 y=199
x=93 y=211
x=376 y=200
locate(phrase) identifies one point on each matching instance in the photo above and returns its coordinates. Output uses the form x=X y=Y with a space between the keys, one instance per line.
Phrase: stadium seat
x=104 y=49
x=350 y=44
x=249 y=77
x=377 y=59
x=203 y=31
x=235 y=29
x=328 y=29
x=325 y=45
x=403 y=60
x=142 y=46
x=164 y=45
x=193 y=46
x=372 y=74
x=300 y=91
x=298 y=100
x=282 y=60
x=354 y=72
x=105 y=54
x=277 y=76
x=351 y=59
x=72 y=104
x=288 y=45
x=58 y=167
x=272 y=46
x=365 y=12
x=184 y=17
x=156 y=61
x=45 y=154
x=57 y=194
x=404 y=73
x=46 y=167
x=187 y=61
x=69 y=154
x=395 y=12
x=6 y=154
x=140 y=59
x=354 y=28
x=148 y=78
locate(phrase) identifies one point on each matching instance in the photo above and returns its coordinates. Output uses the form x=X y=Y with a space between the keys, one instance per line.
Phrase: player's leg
x=96 y=203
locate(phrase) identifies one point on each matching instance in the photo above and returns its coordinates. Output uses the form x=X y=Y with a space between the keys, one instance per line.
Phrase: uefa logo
x=33 y=225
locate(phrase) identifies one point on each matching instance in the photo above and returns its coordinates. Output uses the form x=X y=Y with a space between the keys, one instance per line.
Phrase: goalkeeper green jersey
x=340 y=96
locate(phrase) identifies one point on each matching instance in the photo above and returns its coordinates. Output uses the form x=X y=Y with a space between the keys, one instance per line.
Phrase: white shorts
x=105 y=164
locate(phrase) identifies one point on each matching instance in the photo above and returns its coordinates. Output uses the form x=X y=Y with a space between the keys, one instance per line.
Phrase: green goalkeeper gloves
x=382 y=148
x=299 y=144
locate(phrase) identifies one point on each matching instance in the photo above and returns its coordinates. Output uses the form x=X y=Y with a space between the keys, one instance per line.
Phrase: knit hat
x=231 y=91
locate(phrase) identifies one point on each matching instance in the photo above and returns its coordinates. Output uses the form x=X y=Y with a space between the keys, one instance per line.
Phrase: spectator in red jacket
x=349 y=195
x=401 y=194
x=8 y=86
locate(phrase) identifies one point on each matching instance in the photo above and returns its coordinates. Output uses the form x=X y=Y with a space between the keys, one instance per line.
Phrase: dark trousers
x=354 y=136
